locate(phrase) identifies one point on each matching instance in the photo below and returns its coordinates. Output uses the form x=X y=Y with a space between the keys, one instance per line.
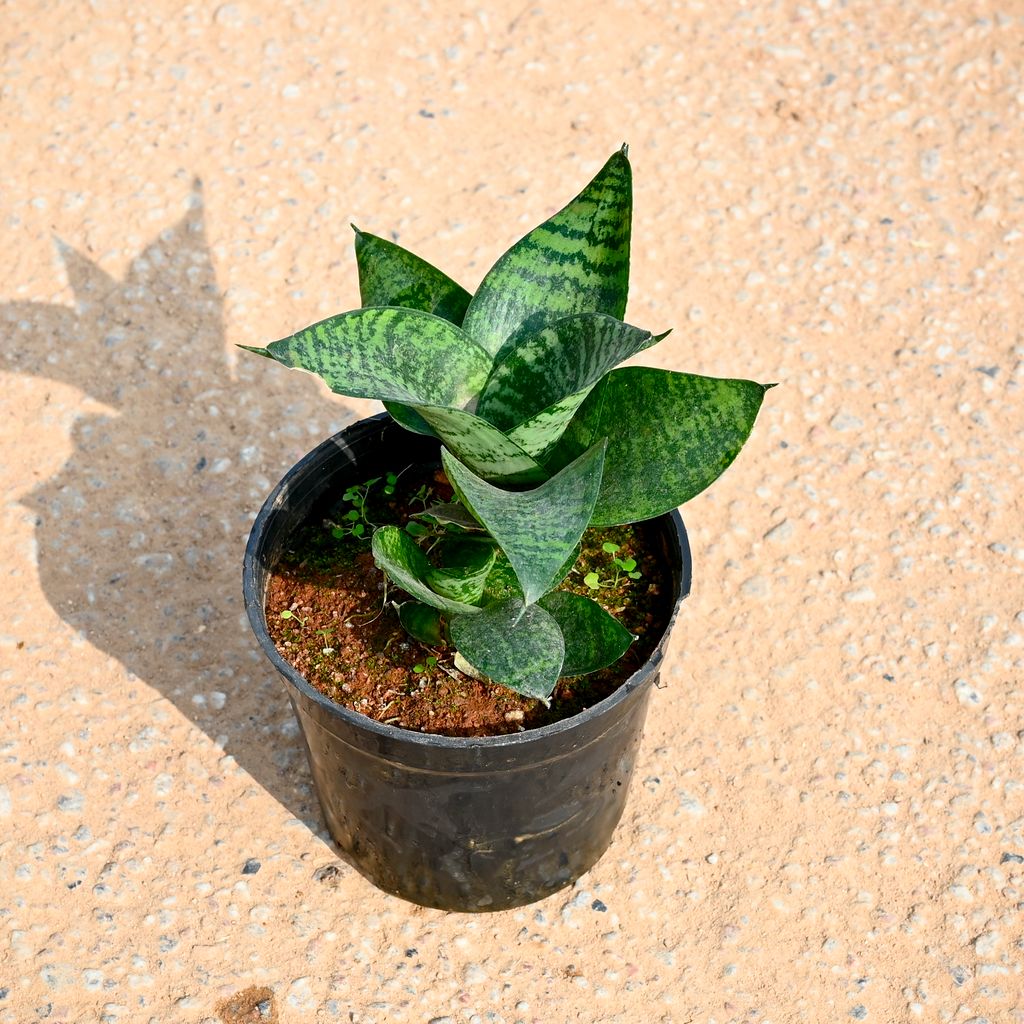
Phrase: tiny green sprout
x=289 y=614
x=423 y=495
x=355 y=521
x=624 y=567
x=430 y=663
x=627 y=566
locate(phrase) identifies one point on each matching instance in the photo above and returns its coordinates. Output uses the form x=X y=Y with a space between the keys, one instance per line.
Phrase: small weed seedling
x=355 y=521
x=326 y=634
x=425 y=665
x=625 y=568
x=287 y=614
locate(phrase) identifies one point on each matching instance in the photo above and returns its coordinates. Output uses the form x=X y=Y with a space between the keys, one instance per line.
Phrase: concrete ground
x=828 y=818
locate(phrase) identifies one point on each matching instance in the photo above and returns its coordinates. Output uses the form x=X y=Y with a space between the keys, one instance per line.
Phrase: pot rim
x=256 y=612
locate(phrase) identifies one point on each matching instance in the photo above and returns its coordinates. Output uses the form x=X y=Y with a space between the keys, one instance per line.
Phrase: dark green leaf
x=593 y=638
x=392 y=276
x=539 y=529
x=576 y=262
x=522 y=648
x=463 y=564
x=536 y=370
x=669 y=435
x=390 y=354
x=409 y=418
x=400 y=557
x=502 y=582
x=483 y=447
x=421 y=622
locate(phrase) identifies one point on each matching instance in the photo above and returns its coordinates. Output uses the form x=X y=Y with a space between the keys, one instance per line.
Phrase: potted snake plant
x=516 y=394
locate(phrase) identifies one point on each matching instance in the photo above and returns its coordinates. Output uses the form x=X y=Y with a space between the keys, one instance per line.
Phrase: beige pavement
x=828 y=821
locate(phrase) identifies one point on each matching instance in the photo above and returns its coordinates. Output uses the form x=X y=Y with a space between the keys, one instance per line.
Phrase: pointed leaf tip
x=624 y=150
x=391 y=354
x=691 y=430
x=538 y=529
x=521 y=648
x=575 y=262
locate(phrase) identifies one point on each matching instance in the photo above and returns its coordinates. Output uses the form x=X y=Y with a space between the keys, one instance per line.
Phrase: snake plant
x=542 y=435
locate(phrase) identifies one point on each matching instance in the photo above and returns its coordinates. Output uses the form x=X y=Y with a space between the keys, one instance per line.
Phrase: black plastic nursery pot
x=454 y=823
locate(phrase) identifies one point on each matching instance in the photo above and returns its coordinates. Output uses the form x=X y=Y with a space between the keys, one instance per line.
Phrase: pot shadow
x=140 y=535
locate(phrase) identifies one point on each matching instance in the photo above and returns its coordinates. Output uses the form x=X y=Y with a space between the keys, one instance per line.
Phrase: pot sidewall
x=470 y=824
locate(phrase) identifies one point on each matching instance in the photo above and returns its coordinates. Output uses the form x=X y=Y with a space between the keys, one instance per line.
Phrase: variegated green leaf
x=669 y=436
x=409 y=418
x=593 y=638
x=502 y=582
x=522 y=648
x=537 y=370
x=390 y=354
x=421 y=622
x=463 y=564
x=407 y=566
x=392 y=276
x=537 y=435
x=575 y=262
x=483 y=447
x=538 y=529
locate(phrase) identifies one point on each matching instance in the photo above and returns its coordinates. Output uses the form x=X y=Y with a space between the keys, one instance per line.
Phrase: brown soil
x=340 y=629
x=253 y=1005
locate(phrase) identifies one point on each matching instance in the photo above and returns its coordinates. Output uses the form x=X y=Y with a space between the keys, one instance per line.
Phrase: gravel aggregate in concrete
x=828 y=816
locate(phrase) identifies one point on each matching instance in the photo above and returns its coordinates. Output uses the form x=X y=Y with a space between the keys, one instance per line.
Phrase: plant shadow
x=140 y=534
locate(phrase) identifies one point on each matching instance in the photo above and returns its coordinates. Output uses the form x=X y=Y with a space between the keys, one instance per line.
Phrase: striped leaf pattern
x=669 y=436
x=518 y=646
x=483 y=447
x=392 y=354
x=463 y=567
x=575 y=262
x=407 y=566
x=537 y=435
x=392 y=276
x=538 y=369
x=538 y=529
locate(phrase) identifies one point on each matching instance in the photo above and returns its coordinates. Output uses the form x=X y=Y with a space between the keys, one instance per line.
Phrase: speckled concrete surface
x=829 y=817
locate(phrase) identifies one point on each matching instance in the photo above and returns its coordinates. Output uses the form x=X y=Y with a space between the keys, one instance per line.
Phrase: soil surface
x=331 y=613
